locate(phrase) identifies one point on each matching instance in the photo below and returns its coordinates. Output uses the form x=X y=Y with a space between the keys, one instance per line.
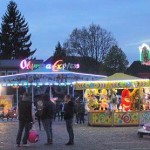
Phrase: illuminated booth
x=118 y=100
x=6 y=103
x=145 y=54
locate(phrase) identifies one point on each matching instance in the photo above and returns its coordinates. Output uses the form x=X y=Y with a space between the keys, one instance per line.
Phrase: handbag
x=33 y=135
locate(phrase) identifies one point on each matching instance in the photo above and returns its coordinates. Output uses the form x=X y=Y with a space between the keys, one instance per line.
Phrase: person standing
x=26 y=118
x=68 y=117
x=57 y=111
x=47 y=118
x=39 y=108
x=77 y=111
x=81 y=111
x=62 y=111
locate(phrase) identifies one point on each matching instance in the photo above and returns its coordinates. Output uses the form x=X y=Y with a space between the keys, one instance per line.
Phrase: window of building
x=11 y=72
x=2 y=73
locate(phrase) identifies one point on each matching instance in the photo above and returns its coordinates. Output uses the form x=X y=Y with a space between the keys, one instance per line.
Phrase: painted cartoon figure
x=104 y=104
x=91 y=100
x=126 y=102
x=104 y=100
x=113 y=100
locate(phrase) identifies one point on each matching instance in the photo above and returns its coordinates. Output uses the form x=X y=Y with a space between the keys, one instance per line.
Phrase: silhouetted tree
x=14 y=38
x=92 y=42
x=115 y=61
x=59 y=53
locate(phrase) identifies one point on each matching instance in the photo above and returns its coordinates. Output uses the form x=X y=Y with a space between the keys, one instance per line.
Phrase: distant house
x=9 y=67
x=139 y=70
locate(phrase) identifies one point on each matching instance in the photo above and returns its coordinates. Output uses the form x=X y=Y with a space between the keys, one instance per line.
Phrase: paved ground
x=86 y=138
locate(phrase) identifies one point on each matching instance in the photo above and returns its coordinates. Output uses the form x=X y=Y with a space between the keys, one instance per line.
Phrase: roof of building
x=15 y=63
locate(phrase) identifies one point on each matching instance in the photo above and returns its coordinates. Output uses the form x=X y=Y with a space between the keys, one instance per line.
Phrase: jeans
x=47 y=124
x=39 y=121
x=23 y=126
x=69 y=126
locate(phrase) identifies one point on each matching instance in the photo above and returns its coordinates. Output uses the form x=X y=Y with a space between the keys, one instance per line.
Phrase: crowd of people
x=46 y=111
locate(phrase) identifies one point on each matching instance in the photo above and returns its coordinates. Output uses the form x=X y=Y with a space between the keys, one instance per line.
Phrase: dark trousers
x=77 y=117
x=81 y=116
x=57 y=114
x=47 y=124
x=26 y=126
x=39 y=121
x=69 y=126
x=62 y=115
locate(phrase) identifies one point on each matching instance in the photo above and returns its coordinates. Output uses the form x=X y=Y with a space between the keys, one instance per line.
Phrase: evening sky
x=51 y=21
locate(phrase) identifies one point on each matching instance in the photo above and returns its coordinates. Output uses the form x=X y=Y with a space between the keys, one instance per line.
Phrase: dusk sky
x=51 y=21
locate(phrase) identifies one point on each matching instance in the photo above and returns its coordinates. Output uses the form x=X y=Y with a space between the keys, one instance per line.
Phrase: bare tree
x=92 y=42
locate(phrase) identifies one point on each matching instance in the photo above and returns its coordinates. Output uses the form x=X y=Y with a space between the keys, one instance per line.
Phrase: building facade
x=10 y=67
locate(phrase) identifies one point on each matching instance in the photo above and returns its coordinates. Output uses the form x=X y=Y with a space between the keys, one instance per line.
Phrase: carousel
x=38 y=80
x=118 y=100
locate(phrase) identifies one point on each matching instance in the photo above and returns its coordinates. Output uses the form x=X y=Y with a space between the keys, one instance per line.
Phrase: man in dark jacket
x=47 y=118
x=25 y=119
x=68 y=116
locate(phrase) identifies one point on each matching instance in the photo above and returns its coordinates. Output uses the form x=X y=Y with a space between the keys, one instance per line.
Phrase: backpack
x=40 y=107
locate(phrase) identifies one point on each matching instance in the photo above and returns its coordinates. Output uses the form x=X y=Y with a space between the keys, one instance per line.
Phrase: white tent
x=42 y=76
x=47 y=77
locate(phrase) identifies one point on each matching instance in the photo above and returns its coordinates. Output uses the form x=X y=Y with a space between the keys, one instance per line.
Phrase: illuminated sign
x=28 y=65
x=145 y=54
x=58 y=65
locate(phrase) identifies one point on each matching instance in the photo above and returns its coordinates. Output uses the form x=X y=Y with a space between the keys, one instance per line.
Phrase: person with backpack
x=47 y=118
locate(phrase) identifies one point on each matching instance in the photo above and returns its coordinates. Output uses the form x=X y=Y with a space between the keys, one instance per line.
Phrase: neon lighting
x=56 y=84
x=34 y=84
x=4 y=84
x=25 y=83
x=48 y=66
x=40 y=83
x=46 y=83
x=145 y=54
x=58 y=65
x=62 y=83
x=23 y=64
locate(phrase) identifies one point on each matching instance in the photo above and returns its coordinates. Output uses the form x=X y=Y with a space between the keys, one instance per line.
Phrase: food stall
x=118 y=100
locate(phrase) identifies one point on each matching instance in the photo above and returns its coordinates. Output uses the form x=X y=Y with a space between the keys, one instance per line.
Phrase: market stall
x=118 y=100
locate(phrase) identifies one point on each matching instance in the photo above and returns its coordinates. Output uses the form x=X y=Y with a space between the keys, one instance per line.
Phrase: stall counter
x=133 y=118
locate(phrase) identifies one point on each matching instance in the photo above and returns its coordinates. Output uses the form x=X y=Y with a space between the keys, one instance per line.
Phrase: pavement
x=86 y=138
